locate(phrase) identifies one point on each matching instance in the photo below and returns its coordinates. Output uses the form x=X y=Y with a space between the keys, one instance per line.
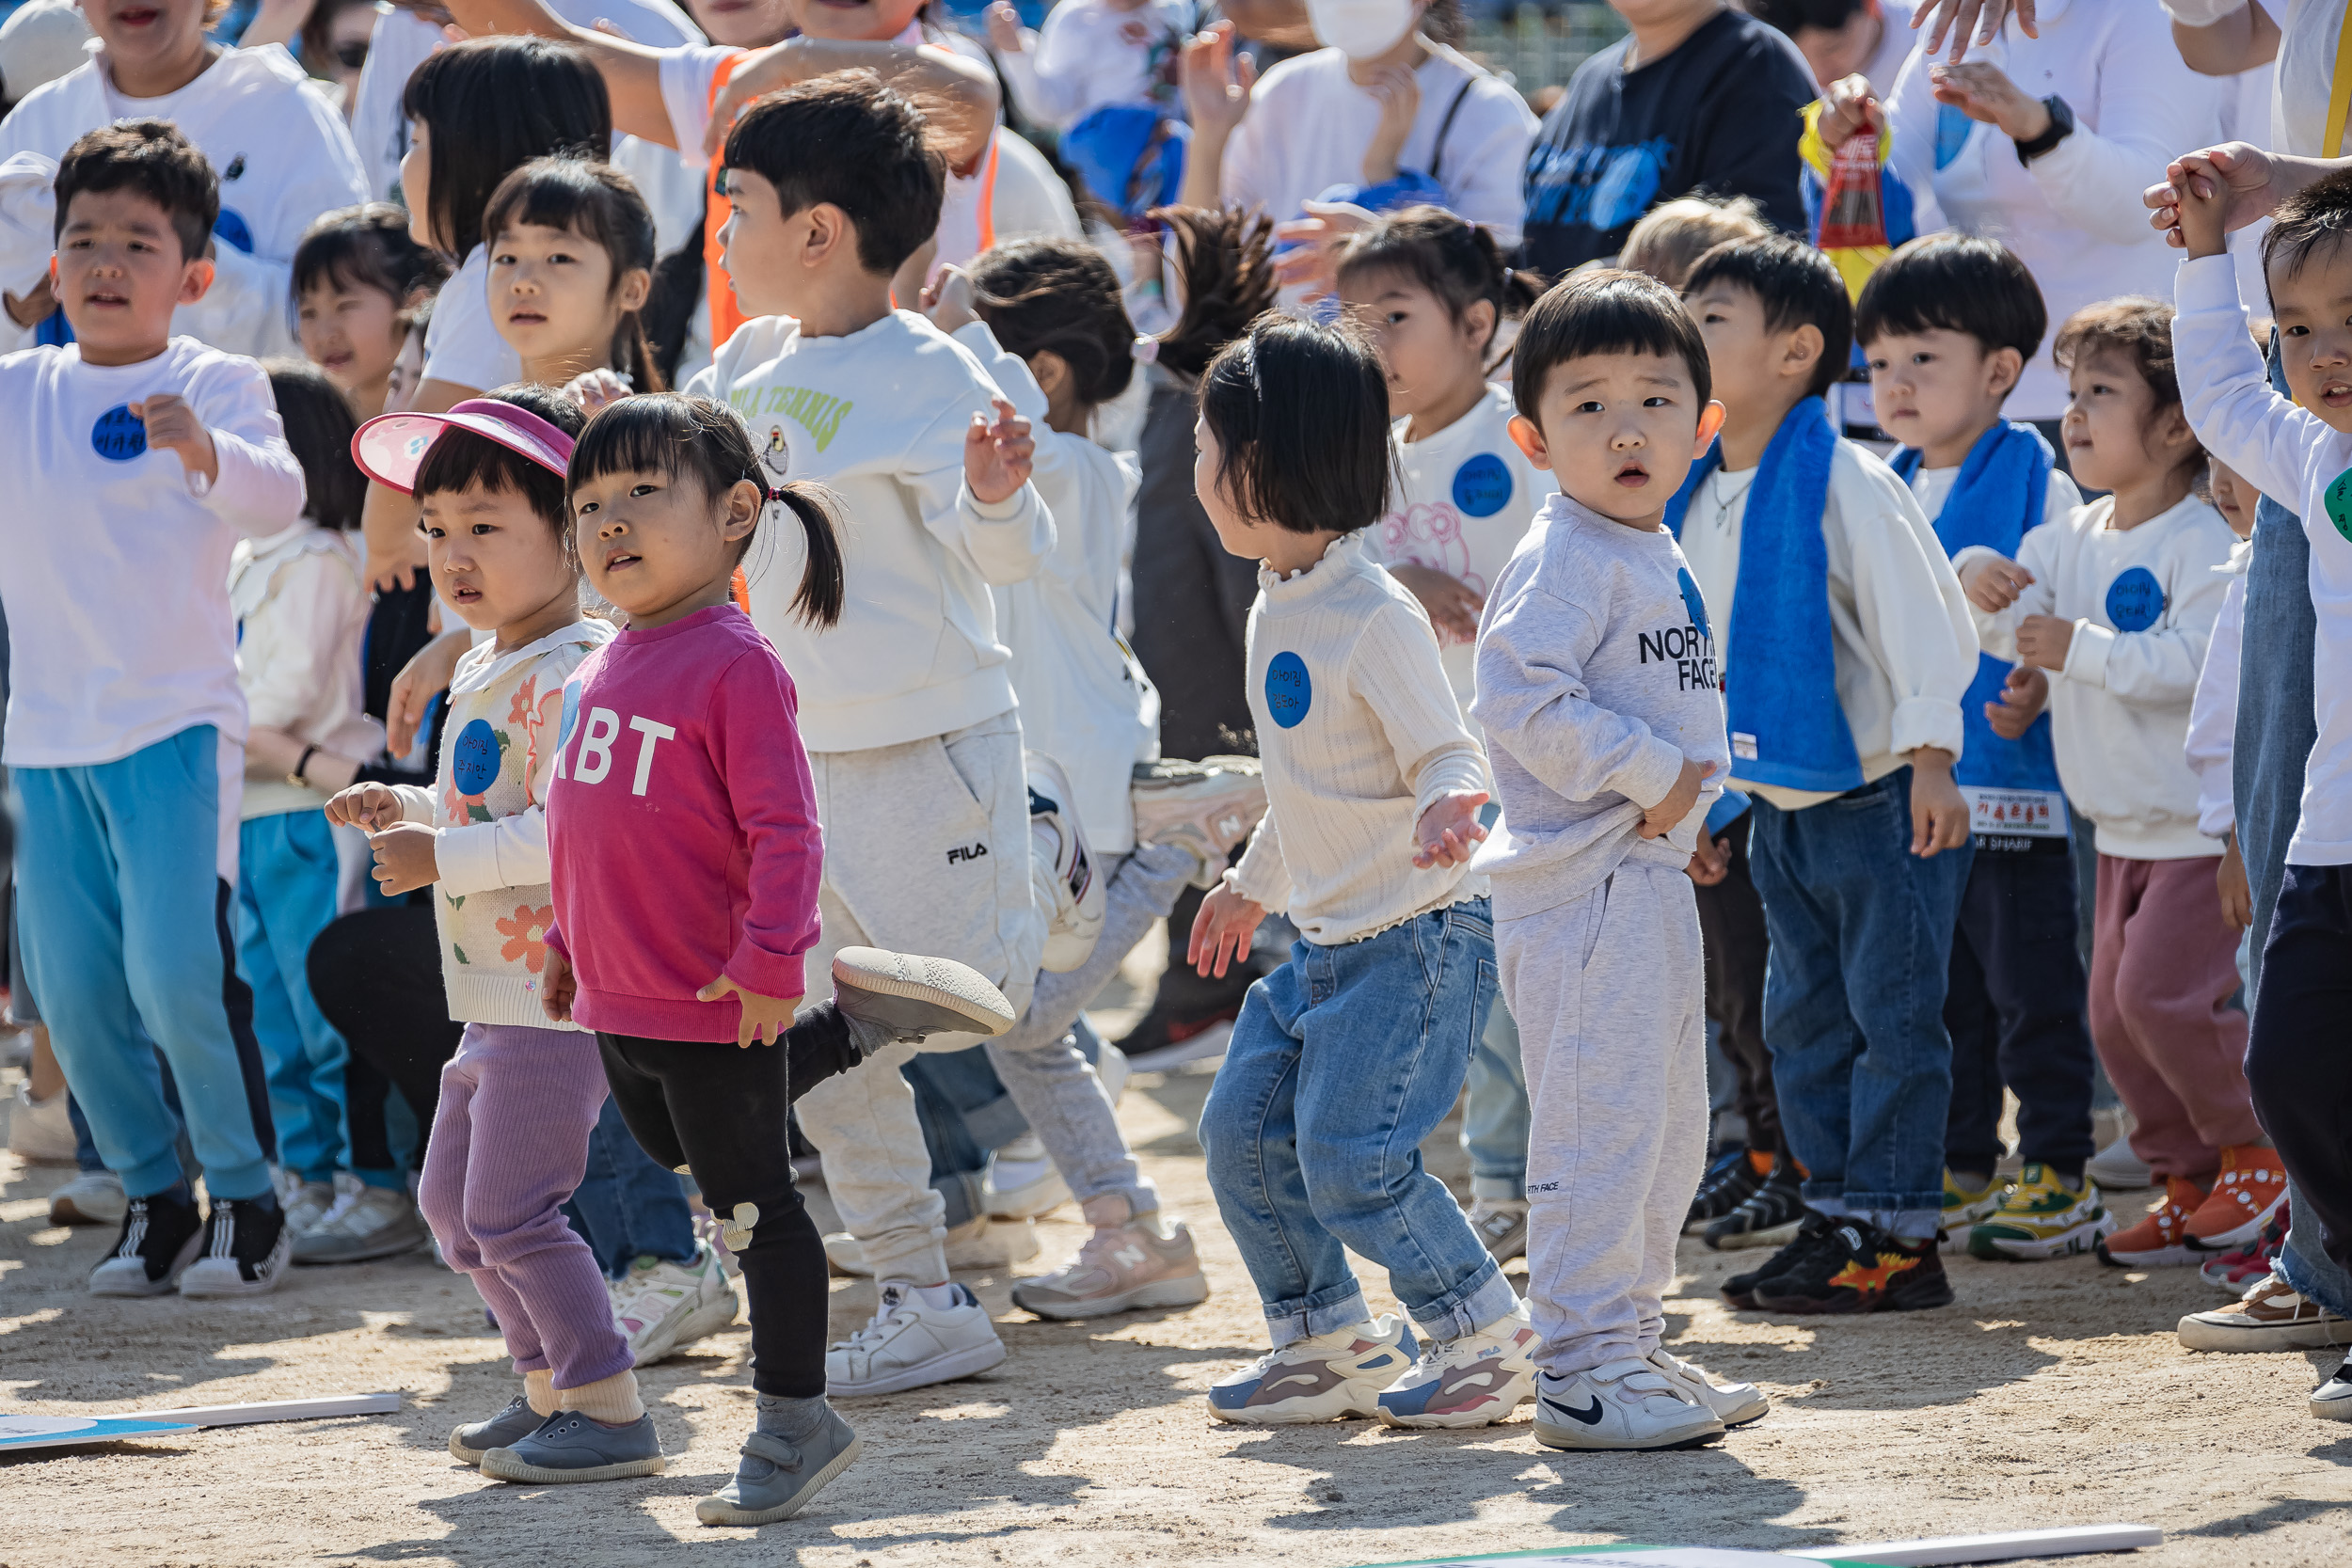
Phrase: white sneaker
x=1132 y=1263
x=1330 y=1377
x=1063 y=870
x=365 y=1223
x=2332 y=1399
x=1735 y=1404
x=2118 y=1170
x=660 y=1307
x=1626 y=1404
x=911 y=1343
x=40 y=1131
x=980 y=1243
x=1473 y=1380
x=1208 y=806
x=93 y=1197
x=1022 y=1181
x=1111 y=1066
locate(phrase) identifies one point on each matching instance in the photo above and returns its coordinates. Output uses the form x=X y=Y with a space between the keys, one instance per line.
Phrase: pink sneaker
x=1123 y=1266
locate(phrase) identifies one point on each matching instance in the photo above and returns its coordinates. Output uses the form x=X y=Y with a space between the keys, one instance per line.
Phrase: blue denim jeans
x=628 y=1204
x=1495 y=1111
x=1341 y=1062
x=1860 y=936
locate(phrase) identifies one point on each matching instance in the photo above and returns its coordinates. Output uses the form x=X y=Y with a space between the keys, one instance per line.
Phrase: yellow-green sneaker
x=1963 y=1207
x=2042 y=1217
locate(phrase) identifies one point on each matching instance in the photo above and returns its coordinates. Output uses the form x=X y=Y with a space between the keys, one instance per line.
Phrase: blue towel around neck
x=2003 y=487
x=1780 y=683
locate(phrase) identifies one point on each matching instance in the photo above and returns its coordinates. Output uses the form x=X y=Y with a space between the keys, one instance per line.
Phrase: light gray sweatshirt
x=1596 y=677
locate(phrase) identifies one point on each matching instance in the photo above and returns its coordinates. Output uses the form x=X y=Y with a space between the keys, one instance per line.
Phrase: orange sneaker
x=2251 y=1186
x=2162 y=1237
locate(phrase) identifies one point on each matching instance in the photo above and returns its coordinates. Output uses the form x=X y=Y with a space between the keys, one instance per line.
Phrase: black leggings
x=1731 y=918
x=718 y=1110
x=377 y=975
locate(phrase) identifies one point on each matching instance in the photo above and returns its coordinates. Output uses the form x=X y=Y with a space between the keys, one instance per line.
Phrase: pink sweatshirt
x=682 y=829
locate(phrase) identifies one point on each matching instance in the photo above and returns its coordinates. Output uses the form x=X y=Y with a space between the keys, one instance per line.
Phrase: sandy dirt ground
x=2048 y=1394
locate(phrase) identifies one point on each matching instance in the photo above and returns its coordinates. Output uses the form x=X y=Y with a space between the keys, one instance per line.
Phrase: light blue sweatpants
x=124 y=872
x=286 y=895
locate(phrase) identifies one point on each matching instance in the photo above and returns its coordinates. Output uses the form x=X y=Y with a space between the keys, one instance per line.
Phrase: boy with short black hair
x=139 y=460
x=1604 y=725
x=1947 y=323
x=1848 y=647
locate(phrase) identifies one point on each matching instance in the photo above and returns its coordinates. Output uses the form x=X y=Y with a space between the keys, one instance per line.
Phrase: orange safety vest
x=726 y=315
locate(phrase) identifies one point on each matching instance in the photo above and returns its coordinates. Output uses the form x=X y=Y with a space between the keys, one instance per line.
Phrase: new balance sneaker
x=1815 y=1233
x=246 y=1249
x=913 y=996
x=662 y=1307
x=1472 y=1380
x=2117 y=1169
x=1502 y=1225
x=1768 y=1217
x=911 y=1342
x=1122 y=1267
x=2271 y=1315
x=469 y=1443
x=1730 y=1181
x=2040 y=1216
x=1860 y=1269
x=40 y=1131
x=161 y=1237
x=2252 y=1184
x=1964 y=1206
x=1207 y=806
x=980 y=1242
x=1735 y=1404
x=1022 y=1181
x=365 y=1221
x=93 y=1197
x=569 y=1447
x=1063 y=870
x=1331 y=1377
x=2161 y=1239
x=2232 y=1272
x=777 y=1479
x=2332 y=1399
x=1626 y=1403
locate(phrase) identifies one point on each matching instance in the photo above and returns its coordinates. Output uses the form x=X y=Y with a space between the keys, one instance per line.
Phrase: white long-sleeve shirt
x=302 y=612
x=1359 y=735
x=1091 y=53
x=2293 y=457
x=2143 y=601
x=1900 y=638
x=2213 y=712
x=2305 y=67
x=2073 y=216
x=114 y=559
x=879 y=416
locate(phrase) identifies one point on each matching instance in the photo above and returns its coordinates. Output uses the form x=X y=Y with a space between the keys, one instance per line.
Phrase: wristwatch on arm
x=2060 y=127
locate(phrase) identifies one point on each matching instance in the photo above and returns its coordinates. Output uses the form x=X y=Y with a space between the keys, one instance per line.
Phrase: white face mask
x=1361 y=29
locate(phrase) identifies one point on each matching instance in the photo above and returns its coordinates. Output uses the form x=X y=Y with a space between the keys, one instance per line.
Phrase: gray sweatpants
x=1609 y=993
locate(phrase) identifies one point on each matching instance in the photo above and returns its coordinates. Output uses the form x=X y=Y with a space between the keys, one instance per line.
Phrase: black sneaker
x=1860 y=1268
x=161 y=1237
x=1813 y=1234
x=246 y=1248
x=1729 y=1183
x=1768 y=1216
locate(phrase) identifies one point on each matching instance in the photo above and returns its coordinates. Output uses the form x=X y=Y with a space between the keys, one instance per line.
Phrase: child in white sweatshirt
x=2107 y=616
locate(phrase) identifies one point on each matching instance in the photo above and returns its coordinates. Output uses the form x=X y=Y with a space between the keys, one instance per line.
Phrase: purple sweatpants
x=509 y=1143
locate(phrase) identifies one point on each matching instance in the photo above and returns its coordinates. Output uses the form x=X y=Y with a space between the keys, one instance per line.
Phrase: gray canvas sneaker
x=469 y=1442
x=569 y=1447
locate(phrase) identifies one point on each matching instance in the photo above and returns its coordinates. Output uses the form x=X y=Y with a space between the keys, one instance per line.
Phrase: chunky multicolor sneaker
x=1858 y=1269
x=1330 y=1377
x=1964 y=1206
x=2272 y=1315
x=1769 y=1217
x=660 y=1307
x=1816 y=1233
x=2233 y=1272
x=2040 y=1216
x=1473 y=1380
x=1730 y=1181
x=2161 y=1239
x=2252 y=1184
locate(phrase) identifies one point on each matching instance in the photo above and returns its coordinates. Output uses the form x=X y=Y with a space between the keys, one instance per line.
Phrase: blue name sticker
x=474 y=757
x=571 y=715
x=1481 y=486
x=1693 y=601
x=232 y=229
x=119 y=435
x=1288 y=692
x=2135 y=599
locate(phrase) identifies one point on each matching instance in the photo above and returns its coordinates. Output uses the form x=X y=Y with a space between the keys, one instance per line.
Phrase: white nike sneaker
x=1473 y=1380
x=1330 y=1377
x=1735 y=1404
x=1061 y=868
x=1626 y=1404
x=909 y=1344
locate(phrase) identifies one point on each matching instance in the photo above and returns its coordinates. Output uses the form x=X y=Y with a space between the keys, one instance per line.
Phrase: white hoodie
x=2143 y=602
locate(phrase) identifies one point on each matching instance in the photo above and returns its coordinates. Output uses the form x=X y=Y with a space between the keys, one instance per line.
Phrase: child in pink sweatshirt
x=682 y=835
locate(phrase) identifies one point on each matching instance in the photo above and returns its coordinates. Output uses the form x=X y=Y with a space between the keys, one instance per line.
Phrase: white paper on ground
x=2063 y=1541
x=279 y=1410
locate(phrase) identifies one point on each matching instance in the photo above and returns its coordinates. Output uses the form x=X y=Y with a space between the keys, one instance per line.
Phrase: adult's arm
x=1283 y=24
x=2221 y=38
x=631 y=72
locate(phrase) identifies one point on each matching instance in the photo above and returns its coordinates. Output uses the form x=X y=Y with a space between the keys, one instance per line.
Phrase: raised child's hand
x=593 y=389
x=997 y=457
x=2023 y=697
x=172 y=426
x=1663 y=817
x=558 y=986
x=1449 y=830
x=765 y=1018
x=948 y=302
x=2249 y=181
x=2044 y=640
x=1004 y=29
x=370 y=806
x=403 y=858
x=1993 y=582
x=1221 y=931
x=2200 y=193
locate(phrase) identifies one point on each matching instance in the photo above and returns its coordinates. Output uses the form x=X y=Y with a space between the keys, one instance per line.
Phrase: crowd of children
x=537 y=711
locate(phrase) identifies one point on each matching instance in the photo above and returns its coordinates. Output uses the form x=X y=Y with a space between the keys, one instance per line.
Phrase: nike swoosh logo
x=1590 y=1416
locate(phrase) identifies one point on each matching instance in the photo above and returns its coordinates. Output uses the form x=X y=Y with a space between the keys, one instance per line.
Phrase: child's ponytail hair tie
x=1145 y=350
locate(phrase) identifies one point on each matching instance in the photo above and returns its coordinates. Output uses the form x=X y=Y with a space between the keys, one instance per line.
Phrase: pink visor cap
x=390 y=448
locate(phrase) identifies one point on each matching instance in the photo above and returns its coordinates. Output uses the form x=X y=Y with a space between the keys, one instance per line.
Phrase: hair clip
x=1145 y=350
